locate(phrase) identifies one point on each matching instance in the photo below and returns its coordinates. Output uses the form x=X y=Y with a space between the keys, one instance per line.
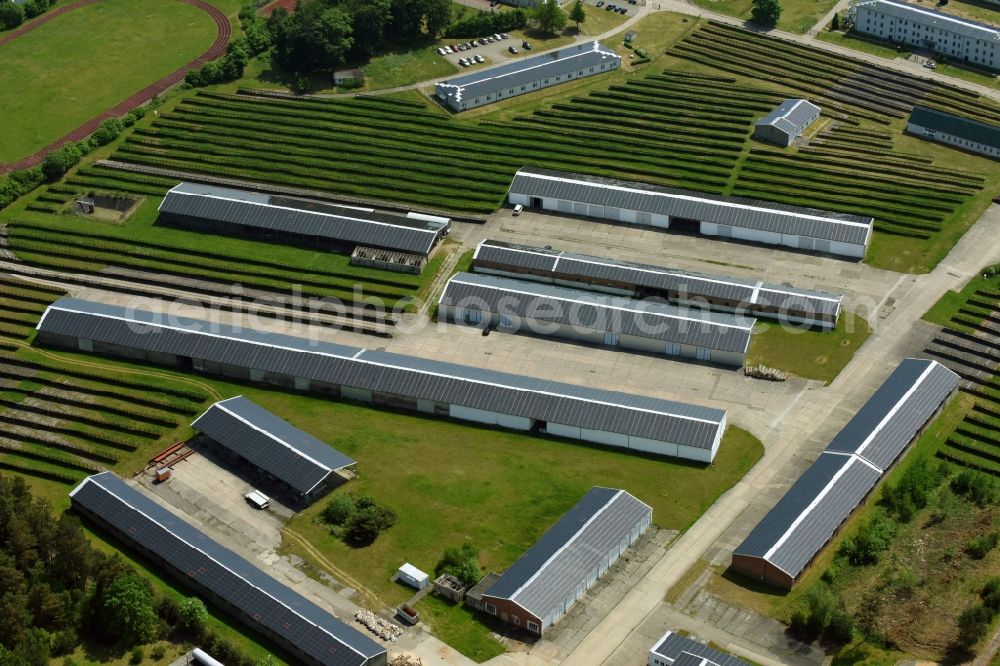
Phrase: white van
x=517 y=209
x=257 y=499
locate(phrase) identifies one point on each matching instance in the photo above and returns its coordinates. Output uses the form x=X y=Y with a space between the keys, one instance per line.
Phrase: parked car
x=480 y=58
x=490 y=40
x=526 y=46
x=482 y=40
x=517 y=210
x=611 y=7
x=512 y=49
x=473 y=44
x=441 y=50
x=600 y=3
x=622 y=10
x=504 y=35
x=497 y=36
x=463 y=62
x=930 y=64
x=257 y=500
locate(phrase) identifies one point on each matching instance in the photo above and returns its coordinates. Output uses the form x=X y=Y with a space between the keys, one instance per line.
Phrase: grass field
x=810 y=354
x=796 y=15
x=126 y=45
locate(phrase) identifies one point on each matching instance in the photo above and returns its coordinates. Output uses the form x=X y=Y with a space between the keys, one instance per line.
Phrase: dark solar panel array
x=211 y=567
x=759 y=215
x=347 y=226
x=808 y=513
x=571 y=307
x=525 y=259
x=271 y=444
x=902 y=405
x=674 y=646
x=394 y=374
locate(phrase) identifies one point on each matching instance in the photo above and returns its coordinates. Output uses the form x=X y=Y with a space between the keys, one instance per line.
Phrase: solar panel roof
x=526 y=70
x=270 y=443
x=586 y=268
x=542 y=579
x=574 y=307
x=964 y=128
x=680 y=650
x=794 y=112
x=214 y=568
x=896 y=412
x=302 y=217
x=732 y=211
x=384 y=372
x=802 y=521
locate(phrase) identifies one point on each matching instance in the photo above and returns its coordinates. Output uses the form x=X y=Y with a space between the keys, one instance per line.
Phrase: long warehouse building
x=281 y=454
x=525 y=75
x=299 y=221
x=730 y=218
x=545 y=582
x=251 y=596
x=626 y=323
x=512 y=401
x=787 y=539
x=718 y=292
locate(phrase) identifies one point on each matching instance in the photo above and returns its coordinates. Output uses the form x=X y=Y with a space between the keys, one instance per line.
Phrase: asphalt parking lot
x=492 y=53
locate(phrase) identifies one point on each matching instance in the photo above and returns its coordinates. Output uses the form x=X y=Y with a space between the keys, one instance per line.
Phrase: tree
x=972 y=625
x=365 y=525
x=58 y=162
x=437 y=16
x=11 y=15
x=548 y=16
x=314 y=38
x=578 y=14
x=128 y=609
x=462 y=563
x=766 y=12
x=338 y=510
x=371 y=17
x=192 y=616
x=835 y=23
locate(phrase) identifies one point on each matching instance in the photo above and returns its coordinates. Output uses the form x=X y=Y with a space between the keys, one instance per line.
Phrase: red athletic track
x=215 y=50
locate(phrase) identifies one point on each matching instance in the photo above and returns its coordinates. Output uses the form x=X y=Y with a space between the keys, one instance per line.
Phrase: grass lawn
x=460 y=627
x=796 y=15
x=811 y=354
x=86 y=61
x=858 y=42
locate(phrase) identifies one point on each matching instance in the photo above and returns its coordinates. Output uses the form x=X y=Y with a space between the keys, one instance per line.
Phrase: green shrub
x=338 y=510
x=11 y=15
x=19 y=183
x=58 y=162
x=990 y=594
x=912 y=491
x=462 y=563
x=485 y=23
x=158 y=652
x=873 y=537
x=981 y=546
x=978 y=487
x=192 y=616
x=972 y=625
x=138 y=654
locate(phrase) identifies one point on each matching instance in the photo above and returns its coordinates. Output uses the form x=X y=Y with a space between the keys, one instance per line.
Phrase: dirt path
x=218 y=47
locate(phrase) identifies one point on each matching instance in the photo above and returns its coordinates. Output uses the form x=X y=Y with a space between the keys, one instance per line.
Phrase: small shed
x=631 y=35
x=449 y=587
x=413 y=576
x=349 y=78
x=787 y=122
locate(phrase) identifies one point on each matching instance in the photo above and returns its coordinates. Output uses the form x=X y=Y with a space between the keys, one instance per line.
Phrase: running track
x=215 y=50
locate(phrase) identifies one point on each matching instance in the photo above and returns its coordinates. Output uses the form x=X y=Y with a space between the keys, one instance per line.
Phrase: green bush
x=972 y=625
x=192 y=616
x=978 y=487
x=11 y=15
x=338 y=510
x=486 y=23
x=912 y=491
x=158 y=652
x=981 y=546
x=19 y=183
x=462 y=563
x=873 y=537
x=58 y=162
x=138 y=654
